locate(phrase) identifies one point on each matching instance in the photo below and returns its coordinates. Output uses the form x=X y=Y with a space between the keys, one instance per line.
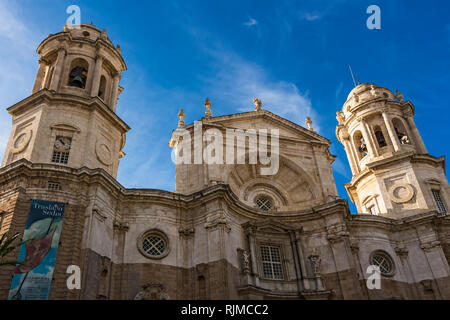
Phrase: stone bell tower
x=70 y=117
x=393 y=174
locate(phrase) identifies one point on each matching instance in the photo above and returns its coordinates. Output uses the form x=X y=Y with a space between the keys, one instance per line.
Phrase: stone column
x=417 y=138
x=115 y=92
x=350 y=156
x=58 y=69
x=96 y=76
x=38 y=83
x=366 y=136
x=391 y=131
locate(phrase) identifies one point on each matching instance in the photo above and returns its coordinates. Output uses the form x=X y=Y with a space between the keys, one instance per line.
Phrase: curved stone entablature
x=86 y=34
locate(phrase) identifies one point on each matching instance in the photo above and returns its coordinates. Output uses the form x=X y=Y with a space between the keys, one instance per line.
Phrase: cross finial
x=181 y=115
x=309 y=122
x=258 y=103
x=208 y=112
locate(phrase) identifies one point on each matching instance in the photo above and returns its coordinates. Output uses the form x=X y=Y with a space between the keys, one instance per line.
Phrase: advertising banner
x=33 y=277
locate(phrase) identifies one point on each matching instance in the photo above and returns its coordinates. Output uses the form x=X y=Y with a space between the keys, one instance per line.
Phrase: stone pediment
x=267 y=120
x=268 y=226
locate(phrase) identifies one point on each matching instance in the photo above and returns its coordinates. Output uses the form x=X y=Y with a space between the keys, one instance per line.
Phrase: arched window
x=102 y=88
x=380 y=137
x=360 y=144
x=264 y=203
x=78 y=73
x=400 y=131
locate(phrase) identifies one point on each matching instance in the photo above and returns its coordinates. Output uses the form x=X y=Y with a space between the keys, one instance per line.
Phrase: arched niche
x=78 y=74
x=291 y=187
x=360 y=144
x=400 y=131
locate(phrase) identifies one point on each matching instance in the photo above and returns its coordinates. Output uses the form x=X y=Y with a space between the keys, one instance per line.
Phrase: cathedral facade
x=228 y=231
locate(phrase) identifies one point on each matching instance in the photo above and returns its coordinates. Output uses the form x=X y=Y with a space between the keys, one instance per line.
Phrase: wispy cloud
x=237 y=81
x=310 y=16
x=251 y=22
x=16 y=71
x=339 y=90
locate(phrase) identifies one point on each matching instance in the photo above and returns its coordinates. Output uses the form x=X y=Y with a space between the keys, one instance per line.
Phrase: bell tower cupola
x=70 y=118
x=393 y=174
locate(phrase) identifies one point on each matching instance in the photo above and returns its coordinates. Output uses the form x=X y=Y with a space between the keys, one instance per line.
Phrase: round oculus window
x=383 y=261
x=153 y=244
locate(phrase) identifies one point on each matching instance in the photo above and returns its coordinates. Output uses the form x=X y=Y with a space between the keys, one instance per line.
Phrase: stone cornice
x=411 y=156
x=24 y=168
x=363 y=220
x=48 y=96
x=96 y=43
x=215 y=121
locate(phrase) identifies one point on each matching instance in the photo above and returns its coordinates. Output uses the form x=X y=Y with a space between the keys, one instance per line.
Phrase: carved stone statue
x=152 y=291
x=258 y=104
x=373 y=92
x=340 y=117
x=315 y=262
x=309 y=122
x=208 y=112
x=103 y=35
x=246 y=258
x=399 y=96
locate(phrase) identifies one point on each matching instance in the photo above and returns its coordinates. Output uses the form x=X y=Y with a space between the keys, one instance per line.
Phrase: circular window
x=86 y=34
x=382 y=260
x=264 y=203
x=153 y=244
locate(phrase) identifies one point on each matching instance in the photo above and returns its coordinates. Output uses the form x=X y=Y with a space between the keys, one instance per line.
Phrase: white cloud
x=238 y=81
x=310 y=16
x=339 y=90
x=250 y=22
x=340 y=168
x=17 y=70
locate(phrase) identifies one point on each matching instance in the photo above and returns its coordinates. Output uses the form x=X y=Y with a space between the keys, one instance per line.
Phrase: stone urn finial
x=181 y=115
x=399 y=96
x=208 y=112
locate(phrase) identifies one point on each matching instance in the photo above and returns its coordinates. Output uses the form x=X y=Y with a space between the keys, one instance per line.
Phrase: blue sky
x=293 y=55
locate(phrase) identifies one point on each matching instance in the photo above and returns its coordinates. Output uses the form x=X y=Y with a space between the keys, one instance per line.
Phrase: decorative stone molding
x=315 y=262
x=427 y=284
x=401 y=251
x=22 y=142
x=410 y=193
x=153 y=291
x=354 y=245
x=121 y=226
x=103 y=153
x=431 y=245
x=337 y=233
x=99 y=215
x=216 y=221
x=186 y=232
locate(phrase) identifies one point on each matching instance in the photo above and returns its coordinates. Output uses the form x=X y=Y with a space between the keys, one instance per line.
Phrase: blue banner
x=33 y=277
